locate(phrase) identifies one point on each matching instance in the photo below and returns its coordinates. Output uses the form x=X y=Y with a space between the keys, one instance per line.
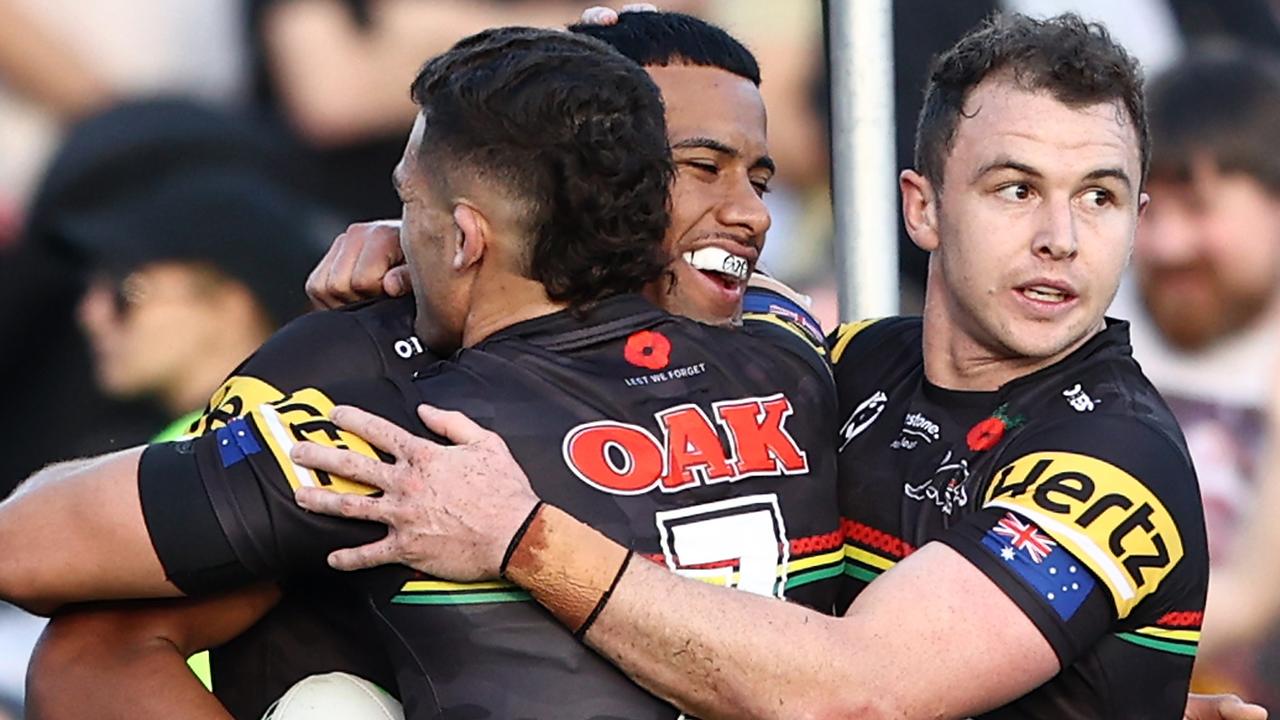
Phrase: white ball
x=335 y=695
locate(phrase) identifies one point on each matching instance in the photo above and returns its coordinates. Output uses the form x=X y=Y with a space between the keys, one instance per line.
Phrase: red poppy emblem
x=648 y=349
x=985 y=434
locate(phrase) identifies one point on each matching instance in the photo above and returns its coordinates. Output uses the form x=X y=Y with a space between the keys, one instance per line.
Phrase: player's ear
x=471 y=236
x=919 y=209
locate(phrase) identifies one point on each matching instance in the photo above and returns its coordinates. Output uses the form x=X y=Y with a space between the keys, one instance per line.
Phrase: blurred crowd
x=171 y=169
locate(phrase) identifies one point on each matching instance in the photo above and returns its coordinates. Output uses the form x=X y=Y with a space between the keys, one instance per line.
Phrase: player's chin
x=1046 y=340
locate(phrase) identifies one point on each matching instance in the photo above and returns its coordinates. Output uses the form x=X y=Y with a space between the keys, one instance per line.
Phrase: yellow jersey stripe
x=1184 y=635
x=443 y=586
x=866 y=557
x=845 y=333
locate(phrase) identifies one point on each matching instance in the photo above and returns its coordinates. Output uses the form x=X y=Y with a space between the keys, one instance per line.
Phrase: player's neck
x=957 y=360
x=502 y=302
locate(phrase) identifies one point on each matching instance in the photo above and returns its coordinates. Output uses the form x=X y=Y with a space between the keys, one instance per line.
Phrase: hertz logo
x=238 y=395
x=1106 y=517
x=304 y=415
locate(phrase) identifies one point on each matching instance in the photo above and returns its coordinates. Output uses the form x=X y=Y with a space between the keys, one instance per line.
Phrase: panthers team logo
x=626 y=459
x=946 y=487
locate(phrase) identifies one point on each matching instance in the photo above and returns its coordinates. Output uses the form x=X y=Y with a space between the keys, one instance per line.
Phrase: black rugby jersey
x=1071 y=488
x=314 y=628
x=704 y=449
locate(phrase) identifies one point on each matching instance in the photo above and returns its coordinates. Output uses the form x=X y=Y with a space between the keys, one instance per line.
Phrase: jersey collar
x=627 y=311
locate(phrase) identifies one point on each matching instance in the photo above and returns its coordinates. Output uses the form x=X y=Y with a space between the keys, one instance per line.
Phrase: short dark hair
x=669 y=38
x=1222 y=104
x=573 y=131
x=1076 y=61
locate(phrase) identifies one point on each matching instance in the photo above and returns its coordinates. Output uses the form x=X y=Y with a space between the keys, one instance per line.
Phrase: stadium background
x=127 y=126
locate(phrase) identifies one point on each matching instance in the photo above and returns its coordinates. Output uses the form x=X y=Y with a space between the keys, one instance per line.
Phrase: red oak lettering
x=692 y=447
x=756 y=433
x=614 y=457
x=626 y=459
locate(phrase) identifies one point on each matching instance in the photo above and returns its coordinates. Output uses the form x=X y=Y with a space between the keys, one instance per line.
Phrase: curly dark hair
x=572 y=131
x=1076 y=61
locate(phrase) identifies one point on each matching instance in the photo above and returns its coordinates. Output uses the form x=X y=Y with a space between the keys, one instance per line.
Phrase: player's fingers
x=379 y=254
x=1233 y=708
x=1222 y=707
x=378 y=431
x=338 y=283
x=455 y=426
x=396 y=282
x=318 y=279
x=342 y=463
x=599 y=15
x=365 y=556
x=328 y=502
x=639 y=7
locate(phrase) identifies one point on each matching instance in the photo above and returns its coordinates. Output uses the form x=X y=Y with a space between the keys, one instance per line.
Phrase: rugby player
x=531 y=376
x=1018 y=490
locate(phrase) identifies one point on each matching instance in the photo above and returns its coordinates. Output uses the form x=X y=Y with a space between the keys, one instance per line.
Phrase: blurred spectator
x=120 y=153
x=62 y=58
x=333 y=75
x=188 y=280
x=1206 y=316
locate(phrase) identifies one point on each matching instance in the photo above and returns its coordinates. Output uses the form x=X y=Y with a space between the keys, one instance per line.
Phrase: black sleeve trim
x=184 y=530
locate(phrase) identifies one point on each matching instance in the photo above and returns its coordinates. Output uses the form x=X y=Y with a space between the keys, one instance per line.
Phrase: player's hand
x=601 y=15
x=450 y=510
x=363 y=262
x=1222 y=707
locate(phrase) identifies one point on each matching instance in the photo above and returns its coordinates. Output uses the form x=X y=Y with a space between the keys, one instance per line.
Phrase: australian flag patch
x=1055 y=574
x=236 y=441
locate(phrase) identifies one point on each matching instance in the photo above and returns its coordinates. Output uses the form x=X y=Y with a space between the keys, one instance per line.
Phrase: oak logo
x=1106 y=517
x=626 y=459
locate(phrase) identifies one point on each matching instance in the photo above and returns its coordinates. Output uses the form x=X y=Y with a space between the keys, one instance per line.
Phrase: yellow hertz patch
x=238 y=395
x=1104 y=516
x=304 y=415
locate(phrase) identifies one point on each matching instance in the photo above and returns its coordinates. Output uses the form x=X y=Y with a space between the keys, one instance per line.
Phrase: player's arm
x=75 y=531
x=129 y=659
x=716 y=652
x=711 y=651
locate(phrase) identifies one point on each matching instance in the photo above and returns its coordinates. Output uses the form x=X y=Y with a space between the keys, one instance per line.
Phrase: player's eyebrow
x=1007 y=164
x=706 y=143
x=1117 y=173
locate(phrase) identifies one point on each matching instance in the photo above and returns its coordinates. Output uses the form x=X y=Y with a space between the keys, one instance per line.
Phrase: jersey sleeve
x=1093 y=527
x=220 y=508
x=315 y=350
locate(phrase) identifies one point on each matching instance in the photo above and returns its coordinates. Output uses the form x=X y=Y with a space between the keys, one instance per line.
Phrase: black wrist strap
x=604 y=599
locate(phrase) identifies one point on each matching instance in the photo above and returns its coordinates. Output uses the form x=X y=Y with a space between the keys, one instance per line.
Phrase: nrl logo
x=862 y=417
